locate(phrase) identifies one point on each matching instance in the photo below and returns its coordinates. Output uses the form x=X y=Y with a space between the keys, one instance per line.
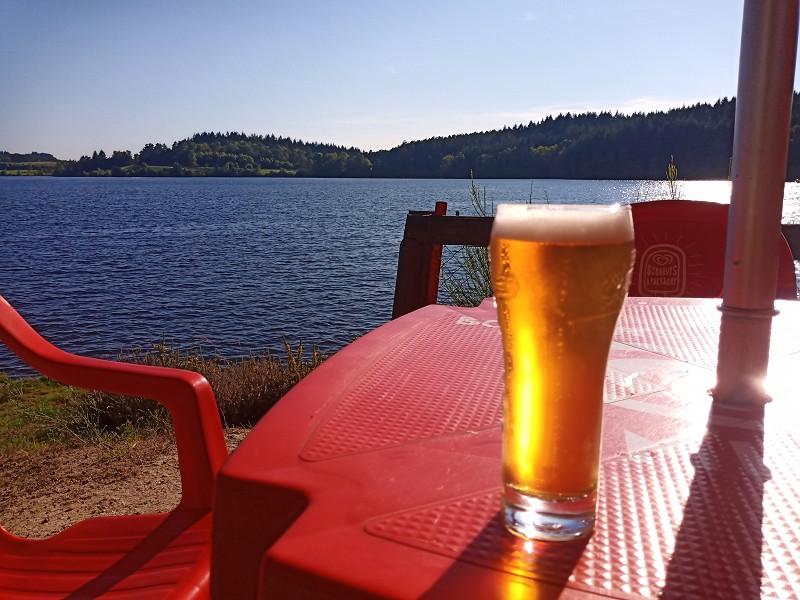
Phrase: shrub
x=465 y=275
x=244 y=388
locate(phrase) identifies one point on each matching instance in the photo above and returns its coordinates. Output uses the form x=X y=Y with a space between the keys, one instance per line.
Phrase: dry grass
x=245 y=388
x=465 y=278
x=39 y=412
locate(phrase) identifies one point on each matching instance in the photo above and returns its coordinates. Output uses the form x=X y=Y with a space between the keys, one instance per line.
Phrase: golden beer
x=560 y=275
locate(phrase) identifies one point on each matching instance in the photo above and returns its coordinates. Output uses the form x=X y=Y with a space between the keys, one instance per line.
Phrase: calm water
x=100 y=266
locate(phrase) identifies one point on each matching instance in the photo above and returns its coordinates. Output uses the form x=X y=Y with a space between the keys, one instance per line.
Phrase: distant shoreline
x=465 y=178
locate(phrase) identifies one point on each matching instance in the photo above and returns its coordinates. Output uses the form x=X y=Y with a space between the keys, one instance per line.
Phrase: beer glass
x=560 y=274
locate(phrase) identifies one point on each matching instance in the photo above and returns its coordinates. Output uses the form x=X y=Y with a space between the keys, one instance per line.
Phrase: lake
x=101 y=266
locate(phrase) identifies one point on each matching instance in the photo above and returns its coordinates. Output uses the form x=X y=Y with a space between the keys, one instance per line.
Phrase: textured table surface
x=379 y=475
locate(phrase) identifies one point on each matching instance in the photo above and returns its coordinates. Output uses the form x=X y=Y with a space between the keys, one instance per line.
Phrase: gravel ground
x=45 y=491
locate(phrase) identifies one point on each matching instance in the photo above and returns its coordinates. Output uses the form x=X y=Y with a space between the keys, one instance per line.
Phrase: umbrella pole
x=760 y=148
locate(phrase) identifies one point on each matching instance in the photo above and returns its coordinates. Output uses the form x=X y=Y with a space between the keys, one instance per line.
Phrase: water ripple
x=104 y=265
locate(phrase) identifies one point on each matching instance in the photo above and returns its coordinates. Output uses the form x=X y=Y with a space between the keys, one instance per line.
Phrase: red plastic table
x=379 y=474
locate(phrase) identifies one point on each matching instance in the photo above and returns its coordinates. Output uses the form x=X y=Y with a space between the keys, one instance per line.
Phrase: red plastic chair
x=133 y=556
x=680 y=250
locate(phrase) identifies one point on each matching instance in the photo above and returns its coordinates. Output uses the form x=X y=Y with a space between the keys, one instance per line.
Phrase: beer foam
x=564 y=223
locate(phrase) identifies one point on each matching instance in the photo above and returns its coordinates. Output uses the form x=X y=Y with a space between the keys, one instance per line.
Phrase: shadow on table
x=718 y=546
x=522 y=569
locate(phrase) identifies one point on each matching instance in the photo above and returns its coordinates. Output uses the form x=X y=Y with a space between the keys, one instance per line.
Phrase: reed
x=465 y=279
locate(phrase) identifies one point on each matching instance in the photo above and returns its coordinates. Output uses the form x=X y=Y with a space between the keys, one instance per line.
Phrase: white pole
x=760 y=147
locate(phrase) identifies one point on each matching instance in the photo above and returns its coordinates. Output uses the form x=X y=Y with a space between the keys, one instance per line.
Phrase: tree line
x=32 y=163
x=589 y=145
x=225 y=155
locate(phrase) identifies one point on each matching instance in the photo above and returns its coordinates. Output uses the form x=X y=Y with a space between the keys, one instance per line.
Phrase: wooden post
x=410 y=288
x=435 y=266
x=418 y=264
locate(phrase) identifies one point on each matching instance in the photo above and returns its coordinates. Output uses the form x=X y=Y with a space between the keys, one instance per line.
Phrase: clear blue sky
x=84 y=75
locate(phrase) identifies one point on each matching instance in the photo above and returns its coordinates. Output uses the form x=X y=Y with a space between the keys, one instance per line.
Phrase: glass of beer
x=560 y=274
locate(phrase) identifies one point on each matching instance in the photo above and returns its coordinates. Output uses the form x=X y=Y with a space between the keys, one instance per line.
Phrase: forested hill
x=587 y=146
x=10 y=157
x=582 y=146
x=227 y=154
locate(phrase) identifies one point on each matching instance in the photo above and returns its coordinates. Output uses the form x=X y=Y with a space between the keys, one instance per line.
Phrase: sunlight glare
x=781 y=382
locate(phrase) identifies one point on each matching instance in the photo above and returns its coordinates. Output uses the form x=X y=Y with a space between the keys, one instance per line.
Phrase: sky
x=87 y=75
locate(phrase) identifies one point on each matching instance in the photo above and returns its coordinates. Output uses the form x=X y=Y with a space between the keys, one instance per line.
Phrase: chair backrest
x=686 y=234
x=680 y=250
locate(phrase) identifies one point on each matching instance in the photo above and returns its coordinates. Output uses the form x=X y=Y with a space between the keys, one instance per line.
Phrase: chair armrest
x=186 y=395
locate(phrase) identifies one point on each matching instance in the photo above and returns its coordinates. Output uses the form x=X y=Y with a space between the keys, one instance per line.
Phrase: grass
x=28 y=168
x=37 y=412
x=465 y=275
x=32 y=411
x=23 y=172
x=673 y=184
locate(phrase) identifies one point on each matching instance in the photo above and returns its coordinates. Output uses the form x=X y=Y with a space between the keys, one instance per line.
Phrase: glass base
x=552 y=520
